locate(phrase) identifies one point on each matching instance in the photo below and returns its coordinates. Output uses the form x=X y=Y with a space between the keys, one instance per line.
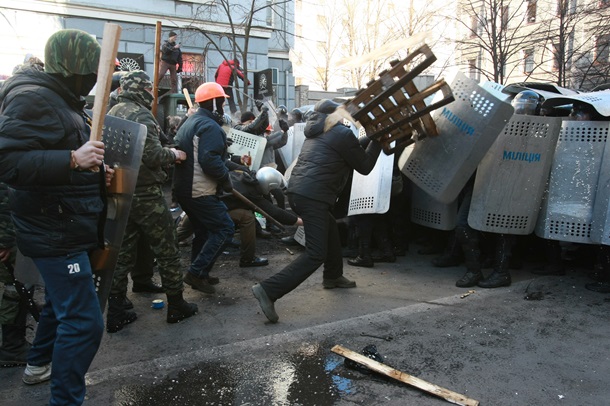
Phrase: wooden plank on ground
x=435 y=390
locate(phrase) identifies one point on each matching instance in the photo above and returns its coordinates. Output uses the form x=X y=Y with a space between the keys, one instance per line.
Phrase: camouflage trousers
x=9 y=303
x=150 y=217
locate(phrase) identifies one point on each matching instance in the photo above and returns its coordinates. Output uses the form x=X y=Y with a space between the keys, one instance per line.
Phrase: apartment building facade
x=565 y=42
x=205 y=28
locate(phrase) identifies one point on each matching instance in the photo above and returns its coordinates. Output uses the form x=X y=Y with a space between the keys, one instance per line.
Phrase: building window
x=504 y=18
x=602 y=49
x=555 y=49
x=566 y=7
x=528 y=61
x=474 y=26
x=531 y=11
x=472 y=69
x=270 y=13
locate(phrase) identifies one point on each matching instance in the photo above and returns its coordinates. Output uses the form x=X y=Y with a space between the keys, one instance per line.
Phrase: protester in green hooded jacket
x=149 y=215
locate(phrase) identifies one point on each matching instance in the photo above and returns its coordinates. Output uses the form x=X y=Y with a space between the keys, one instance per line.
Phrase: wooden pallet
x=391 y=108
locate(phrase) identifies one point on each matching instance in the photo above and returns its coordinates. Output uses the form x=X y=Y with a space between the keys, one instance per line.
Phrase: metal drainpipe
x=286 y=84
x=285 y=28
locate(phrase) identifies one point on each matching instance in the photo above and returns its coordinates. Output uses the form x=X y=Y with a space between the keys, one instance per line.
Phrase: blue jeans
x=213 y=227
x=70 y=327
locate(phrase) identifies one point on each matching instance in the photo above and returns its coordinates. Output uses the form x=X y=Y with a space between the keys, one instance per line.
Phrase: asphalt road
x=492 y=346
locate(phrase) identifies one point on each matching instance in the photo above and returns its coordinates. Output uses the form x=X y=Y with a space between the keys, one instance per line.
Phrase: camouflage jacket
x=7 y=231
x=155 y=158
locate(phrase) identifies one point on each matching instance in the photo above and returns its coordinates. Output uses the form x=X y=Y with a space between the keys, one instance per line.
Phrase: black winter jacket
x=327 y=158
x=170 y=54
x=55 y=210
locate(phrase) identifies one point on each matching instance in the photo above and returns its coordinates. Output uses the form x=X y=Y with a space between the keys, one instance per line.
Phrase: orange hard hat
x=208 y=91
x=269 y=128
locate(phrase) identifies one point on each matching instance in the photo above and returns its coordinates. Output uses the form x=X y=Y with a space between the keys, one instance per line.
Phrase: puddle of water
x=308 y=376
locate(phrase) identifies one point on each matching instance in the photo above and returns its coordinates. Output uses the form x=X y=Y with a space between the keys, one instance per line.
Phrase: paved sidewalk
x=493 y=345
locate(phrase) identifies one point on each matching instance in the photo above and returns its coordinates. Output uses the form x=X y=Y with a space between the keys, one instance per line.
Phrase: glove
x=246 y=160
x=264 y=109
x=229 y=142
x=179 y=69
x=364 y=141
x=227 y=186
x=283 y=125
x=259 y=104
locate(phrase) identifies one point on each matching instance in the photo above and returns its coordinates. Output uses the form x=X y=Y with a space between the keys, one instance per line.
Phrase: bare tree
x=494 y=35
x=592 y=66
x=569 y=58
x=241 y=18
x=321 y=48
x=369 y=25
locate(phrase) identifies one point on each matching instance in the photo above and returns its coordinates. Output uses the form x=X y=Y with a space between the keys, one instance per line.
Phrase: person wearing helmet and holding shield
x=56 y=177
x=198 y=181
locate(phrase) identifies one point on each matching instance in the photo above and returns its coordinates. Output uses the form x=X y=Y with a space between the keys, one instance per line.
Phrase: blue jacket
x=205 y=144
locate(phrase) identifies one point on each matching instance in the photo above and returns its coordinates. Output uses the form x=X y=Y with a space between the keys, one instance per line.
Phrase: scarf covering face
x=72 y=52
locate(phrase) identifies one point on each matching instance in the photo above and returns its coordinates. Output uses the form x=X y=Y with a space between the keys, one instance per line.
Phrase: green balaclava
x=72 y=52
x=134 y=85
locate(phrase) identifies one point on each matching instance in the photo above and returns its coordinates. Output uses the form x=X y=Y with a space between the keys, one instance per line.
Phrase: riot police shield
x=467 y=128
x=512 y=176
x=567 y=209
x=248 y=144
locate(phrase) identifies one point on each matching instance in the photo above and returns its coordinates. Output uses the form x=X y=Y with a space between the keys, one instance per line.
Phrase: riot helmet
x=582 y=111
x=282 y=110
x=297 y=115
x=527 y=103
x=269 y=179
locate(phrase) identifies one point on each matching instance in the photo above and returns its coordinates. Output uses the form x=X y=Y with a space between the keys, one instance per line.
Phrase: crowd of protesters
x=53 y=205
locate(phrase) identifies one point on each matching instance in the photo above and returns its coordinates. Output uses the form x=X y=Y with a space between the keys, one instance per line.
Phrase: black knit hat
x=326 y=106
x=172 y=34
x=247 y=115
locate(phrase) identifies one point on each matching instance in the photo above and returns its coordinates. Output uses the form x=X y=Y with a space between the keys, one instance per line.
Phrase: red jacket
x=224 y=73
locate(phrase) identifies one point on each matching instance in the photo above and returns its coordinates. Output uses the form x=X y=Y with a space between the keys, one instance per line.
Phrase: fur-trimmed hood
x=320 y=123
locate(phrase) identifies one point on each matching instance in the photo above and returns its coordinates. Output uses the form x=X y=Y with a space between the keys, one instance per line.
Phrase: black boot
x=500 y=275
x=384 y=245
x=179 y=309
x=117 y=316
x=554 y=263
x=452 y=256
x=472 y=259
x=364 y=258
x=351 y=250
x=603 y=261
x=14 y=349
